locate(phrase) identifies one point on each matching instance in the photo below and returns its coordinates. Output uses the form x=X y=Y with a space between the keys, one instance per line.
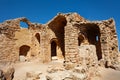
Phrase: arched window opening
x=23 y=50
x=97 y=38
x=80 y=39
x=23 y=24
x=37 y=35
x=93 y=34
x=53 y=49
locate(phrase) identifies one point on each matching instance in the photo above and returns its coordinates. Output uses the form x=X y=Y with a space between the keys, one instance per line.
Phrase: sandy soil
x=22 y=67
x=109 y=74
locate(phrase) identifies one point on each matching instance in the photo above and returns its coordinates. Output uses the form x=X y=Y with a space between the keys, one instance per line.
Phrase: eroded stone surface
x=60 y=38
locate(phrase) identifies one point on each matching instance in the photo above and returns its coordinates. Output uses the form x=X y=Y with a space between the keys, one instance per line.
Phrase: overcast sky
x=42 y=11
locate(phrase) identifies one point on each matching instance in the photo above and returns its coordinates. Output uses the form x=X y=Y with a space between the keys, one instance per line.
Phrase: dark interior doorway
x=58 y=27
x=53 y=49
x=37 y=35
x=80 y=39
x=24 y=50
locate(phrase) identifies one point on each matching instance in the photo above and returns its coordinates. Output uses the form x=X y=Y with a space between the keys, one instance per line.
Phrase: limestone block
x=69 y=66
x=9 y=73
x=33 y=75
x=22 y=58
x=87 y=53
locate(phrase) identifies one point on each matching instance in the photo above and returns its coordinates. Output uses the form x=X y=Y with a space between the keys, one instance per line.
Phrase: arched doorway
x=80 y=39
x=57 y=26
x=37 y=35
x=53 y=49
x=23 y=50
x=91 y=33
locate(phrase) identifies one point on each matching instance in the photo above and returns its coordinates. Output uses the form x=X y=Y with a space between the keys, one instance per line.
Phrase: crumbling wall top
x=70 y=17
x=10 y=26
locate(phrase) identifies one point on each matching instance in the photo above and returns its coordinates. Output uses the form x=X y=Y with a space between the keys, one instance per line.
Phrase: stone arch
x=57 y=25
x=23 y=24
x=54 y=44
x=81 y=39
x=23 y=50
x=37 y=35
x=53 y=49
x=92 y=35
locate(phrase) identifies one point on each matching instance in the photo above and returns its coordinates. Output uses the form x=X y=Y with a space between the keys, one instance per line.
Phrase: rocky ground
x=30 y=70
x=56 y=71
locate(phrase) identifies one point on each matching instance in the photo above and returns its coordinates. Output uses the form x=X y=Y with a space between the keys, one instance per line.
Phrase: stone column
x=46 y=57
x=71 y=43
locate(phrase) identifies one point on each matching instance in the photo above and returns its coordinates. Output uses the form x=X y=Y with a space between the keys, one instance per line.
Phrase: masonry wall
x=23 y=38
x=109 y=42
x=7 y=52
x=71 y=43
x=7 y=41
x=45 y=49
x=103 y=36
x=64 y=31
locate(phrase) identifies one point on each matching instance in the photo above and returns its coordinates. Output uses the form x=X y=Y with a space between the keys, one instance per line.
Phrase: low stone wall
x=87 y=55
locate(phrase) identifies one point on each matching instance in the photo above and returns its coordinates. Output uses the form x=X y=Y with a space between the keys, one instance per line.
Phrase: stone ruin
x=69 y=37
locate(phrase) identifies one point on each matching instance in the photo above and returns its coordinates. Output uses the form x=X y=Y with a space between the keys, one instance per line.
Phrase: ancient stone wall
x=102 y=34
x=23 y=38
x=71 y=43
x=109 y=43
x=61 y=38
x=71 y=38
x=13 y=38
x=7 y=41
x=87 y=55
x=45 y=46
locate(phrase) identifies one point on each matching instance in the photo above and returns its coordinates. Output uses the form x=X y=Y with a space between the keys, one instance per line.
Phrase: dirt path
x=23 y=67
x=109 y=74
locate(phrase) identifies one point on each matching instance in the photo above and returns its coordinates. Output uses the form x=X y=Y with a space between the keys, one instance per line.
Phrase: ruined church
x=69 y=37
